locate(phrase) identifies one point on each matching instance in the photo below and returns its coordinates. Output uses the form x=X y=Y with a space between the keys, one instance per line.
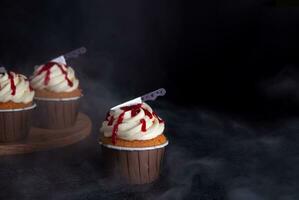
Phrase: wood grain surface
x=45 y=139
x=135 y=167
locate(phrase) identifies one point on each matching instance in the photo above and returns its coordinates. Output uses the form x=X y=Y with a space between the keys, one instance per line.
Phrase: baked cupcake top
x=54 y=77
x=136 y=122
x=15 y=88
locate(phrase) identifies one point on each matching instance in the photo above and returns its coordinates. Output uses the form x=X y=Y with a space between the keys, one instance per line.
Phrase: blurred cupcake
x=16 y=104
x=57 y=95
x=133 y=143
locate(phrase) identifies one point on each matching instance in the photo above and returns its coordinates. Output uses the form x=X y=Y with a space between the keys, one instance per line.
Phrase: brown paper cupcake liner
x=134 y=165
x=56 y=113
x=15 y=123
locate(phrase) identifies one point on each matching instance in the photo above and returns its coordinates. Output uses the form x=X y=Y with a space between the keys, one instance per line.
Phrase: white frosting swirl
x=15 y=87
x=55 y=77
x=131 y=126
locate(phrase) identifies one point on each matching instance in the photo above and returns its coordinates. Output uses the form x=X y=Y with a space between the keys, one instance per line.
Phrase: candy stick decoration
x=147 y=97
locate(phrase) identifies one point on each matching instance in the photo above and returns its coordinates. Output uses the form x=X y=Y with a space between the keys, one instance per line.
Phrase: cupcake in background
x=16 y=104
x=133 y=143
x=57 y=95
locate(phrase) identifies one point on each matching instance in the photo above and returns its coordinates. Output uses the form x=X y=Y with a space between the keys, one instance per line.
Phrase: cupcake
x=133 y=143
x=16 y=104
x=57 y=95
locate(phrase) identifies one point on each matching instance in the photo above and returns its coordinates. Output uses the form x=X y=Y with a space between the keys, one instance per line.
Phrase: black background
x=211 y=53
x=236 y=59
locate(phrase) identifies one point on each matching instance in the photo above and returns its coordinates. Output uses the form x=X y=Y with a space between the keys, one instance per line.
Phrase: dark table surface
x=211 y=156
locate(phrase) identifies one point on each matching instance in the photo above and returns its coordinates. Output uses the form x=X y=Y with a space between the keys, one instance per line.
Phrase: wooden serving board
x=45 y=139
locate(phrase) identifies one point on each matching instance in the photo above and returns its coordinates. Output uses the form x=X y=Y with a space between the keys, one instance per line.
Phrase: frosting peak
x=15 y=87
x=55 y=77
x=137 y=122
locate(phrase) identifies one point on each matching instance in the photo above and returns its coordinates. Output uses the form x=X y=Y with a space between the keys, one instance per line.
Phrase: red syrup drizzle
x=69 y=82
x=12 y=83
x=47 y=67
x=134 y=112
x=143 y=125
x=30 y=88
x=115 y=127
x=111 y=121
x=135 y=109
x=148 y=113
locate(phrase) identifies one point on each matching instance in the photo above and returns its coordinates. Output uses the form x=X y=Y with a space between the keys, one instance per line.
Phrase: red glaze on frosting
x=47 y=67
x=30 y=88
x=115 y=127
x=69 y=82
x=143 y=125
x=135 y=109
x=147 y=113
x=111 y=121
x=134 y=112
x=12 y=83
